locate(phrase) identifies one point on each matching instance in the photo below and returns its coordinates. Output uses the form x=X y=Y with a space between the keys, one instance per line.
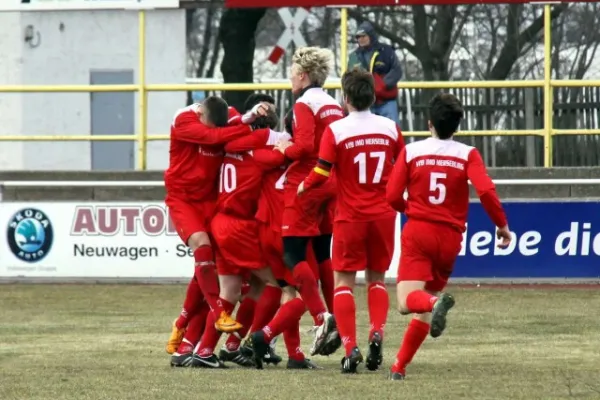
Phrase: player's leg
x=244 y=315
x=380 y=250
x=191 y=221
x=322 y=250
x=183 y=356
x=291 y=336
x=193 y=298
x=349 y=256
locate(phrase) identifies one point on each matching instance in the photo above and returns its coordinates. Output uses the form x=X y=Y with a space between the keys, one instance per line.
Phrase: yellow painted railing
x=143 y=88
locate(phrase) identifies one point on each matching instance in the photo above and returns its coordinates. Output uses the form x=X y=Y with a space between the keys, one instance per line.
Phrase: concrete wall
x=98 y=193
x=71 y=44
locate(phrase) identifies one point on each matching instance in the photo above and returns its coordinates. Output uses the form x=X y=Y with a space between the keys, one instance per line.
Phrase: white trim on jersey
x=360 y=123
x=437 y=147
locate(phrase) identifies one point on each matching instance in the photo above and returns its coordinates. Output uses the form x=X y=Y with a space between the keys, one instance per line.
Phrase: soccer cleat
x=236 y=357
x=260 y=347
x=246 y=348
x=182 y=360
x=322 y=333
x=304 y=364
x=271 y=357
x=350 y=363
x=175 y=339
x=227 y=324
x=438 y=316
x=211 y=361
x=375 y=355
x=332 y=344
x=396 y=376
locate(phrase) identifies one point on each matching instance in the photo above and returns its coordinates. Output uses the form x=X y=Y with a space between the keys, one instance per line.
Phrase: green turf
x=107 y=342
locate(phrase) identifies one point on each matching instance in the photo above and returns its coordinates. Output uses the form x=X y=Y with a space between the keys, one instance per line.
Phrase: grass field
x=107 y=342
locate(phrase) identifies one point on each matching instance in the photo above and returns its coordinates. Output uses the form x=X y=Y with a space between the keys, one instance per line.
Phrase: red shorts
x=272 y=249
x=428 y=253
x=310 y=214
x=189 y=216
x=237 y=247
x=363 y=245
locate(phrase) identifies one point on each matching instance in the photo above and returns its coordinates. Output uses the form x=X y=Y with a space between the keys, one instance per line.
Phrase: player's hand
x=300 y=188
x=504 y=234
x=282 y=145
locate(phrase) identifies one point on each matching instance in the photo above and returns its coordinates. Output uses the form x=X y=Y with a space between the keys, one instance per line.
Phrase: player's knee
x=402 y=308
x=198 y=239
x=294 y=250
x=322 y=248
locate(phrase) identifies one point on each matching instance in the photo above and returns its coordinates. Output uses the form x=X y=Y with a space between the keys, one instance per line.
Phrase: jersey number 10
x=361 y=160
x=228 y=178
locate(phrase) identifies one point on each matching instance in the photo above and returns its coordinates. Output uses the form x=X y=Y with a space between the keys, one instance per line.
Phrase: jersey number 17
x=361 y=160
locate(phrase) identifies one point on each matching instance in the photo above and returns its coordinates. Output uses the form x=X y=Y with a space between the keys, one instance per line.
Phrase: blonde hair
x=315 y=62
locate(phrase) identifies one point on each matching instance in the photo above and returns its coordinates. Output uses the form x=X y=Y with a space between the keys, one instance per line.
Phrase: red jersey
x=437 y=173
x=361 y=149
x=313 y=112
x=243 y=173
x=196 y=154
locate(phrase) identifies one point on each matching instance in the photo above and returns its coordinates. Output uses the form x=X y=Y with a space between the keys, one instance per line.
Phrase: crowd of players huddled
x=280 y=222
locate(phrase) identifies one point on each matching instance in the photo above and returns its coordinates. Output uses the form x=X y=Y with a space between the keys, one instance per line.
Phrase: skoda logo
x=30 y=235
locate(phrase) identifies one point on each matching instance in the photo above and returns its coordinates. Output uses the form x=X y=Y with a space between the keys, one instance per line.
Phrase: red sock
x=379 y=305
x=345 y=316
x=191 y=304
x=196 y=326
x=307 y=286
x=244 y=316
x=211 y=335
x=267 y=307
x=414 y=336
x=291 y=338
x=206 y=276
x=419 y=302
x=185 y=346
x=326 y=275
x=288 y=315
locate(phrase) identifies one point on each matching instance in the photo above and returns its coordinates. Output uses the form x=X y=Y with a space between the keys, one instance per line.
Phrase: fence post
x=548 y=104
x=143 y=94
x=530 y=153
x=343 y=40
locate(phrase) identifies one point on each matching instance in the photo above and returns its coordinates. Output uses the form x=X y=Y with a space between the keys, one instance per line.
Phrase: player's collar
x=307 y=88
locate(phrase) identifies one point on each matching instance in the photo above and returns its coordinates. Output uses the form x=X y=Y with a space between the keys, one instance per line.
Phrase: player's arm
x=397 y=183
x=327 y=159
x=234 y=117
x=304 y=133
x=188 y=128
x=268 y=159
x=485 y=188
x=256 y=140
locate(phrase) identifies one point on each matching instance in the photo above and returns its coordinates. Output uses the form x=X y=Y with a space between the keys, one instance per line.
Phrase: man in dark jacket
x=380 y=59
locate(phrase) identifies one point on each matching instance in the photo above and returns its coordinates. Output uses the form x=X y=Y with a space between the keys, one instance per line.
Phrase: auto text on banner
x=550 y=240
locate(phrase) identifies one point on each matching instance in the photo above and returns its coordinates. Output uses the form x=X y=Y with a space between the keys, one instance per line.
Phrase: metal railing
x=143 y=88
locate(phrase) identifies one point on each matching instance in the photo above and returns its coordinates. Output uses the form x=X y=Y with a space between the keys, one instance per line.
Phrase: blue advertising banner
x=550 y=240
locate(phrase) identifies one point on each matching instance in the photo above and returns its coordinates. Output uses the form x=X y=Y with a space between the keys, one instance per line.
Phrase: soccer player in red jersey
x=235 y=233
x=361 y=149
x=436 y=173
x=307 y=218
x=269 y=214
x=197 y=135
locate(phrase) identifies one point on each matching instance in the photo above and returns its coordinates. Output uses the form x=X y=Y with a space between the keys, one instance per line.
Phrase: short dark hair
x=288 y=122
x=445 y=114
x=271 y=120
x=256 y=98
x=217 y=110
x=359 y=89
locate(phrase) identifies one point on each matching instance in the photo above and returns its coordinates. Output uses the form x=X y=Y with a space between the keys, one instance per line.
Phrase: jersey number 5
x=228 y=178
x=361 y=160
x=436 y=186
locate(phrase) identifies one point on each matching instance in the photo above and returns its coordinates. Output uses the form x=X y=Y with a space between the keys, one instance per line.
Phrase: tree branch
x=402 y=43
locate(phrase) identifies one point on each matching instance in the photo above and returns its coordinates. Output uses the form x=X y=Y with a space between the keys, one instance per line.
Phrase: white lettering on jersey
x=330 y=112
x=440 y=163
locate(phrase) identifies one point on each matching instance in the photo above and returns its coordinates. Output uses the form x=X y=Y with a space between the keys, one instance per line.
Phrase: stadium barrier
x=555 y=240
x=142 y=137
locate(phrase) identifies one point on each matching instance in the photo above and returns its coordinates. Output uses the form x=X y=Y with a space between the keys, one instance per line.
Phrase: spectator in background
x=380 y=59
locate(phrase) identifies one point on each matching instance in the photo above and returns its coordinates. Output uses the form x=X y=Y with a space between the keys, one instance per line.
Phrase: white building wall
x=72 y=44
x=11 y=153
